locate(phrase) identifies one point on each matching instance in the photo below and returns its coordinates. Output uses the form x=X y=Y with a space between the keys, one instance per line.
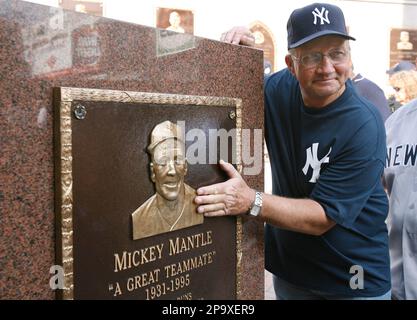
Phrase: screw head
x=80 y=112
x=232 y=114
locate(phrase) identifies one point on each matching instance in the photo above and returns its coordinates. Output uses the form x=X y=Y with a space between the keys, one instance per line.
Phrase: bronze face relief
x=172 y=207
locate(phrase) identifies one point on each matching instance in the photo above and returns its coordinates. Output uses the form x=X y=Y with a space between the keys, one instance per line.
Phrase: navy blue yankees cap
x=313 y=21
x=401 y=66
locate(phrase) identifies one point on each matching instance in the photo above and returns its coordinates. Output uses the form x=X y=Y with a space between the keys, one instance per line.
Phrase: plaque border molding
x=64 y=96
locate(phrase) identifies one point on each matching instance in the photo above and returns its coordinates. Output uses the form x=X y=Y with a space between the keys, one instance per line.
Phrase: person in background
x=404 y=84
x=403 y=65
x=370 y=90
x=400 y=179
x=325 y=232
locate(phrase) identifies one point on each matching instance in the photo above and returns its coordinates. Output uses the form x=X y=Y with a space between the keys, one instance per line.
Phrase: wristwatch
x=256 y=207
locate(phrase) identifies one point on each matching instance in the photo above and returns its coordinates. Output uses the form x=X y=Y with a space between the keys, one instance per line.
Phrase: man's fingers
x=238 y=35
x=209 y=199
x=230 y=35
x=227 y=36
x=236 y=38
x=242 y=37
x=229 y=169
x=212 y=208
x=247 y=40
x=218 y=213
x=210 y=190
x=223 y=36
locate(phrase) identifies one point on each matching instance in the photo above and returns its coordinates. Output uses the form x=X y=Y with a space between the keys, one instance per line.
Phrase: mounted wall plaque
x=178 y=20
x=403 y=45
x=127 y=167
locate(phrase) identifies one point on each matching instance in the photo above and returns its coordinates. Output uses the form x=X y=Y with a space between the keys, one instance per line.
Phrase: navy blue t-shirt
x=334 y=155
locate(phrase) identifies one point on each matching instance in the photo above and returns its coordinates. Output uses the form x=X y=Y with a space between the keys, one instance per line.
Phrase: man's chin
x=170 y=196
x=326 y=91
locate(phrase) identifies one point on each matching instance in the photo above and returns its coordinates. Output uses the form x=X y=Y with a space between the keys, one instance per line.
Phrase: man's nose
x=326 y=65
x=171 y=167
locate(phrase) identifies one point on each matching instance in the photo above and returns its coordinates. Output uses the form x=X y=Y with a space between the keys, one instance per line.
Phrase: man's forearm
x=300 y=215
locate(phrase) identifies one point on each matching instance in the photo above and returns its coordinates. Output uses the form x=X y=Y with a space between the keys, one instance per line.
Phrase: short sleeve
x=353 y=176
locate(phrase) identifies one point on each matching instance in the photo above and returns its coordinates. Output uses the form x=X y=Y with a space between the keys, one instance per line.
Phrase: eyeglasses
x=313 y=59
x=164 y=161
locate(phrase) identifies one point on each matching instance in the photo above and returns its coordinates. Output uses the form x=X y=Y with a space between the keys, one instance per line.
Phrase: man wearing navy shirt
x=325 y=234
x=370 y=90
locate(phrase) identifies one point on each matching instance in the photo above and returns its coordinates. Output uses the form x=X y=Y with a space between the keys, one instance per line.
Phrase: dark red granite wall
x=42 y=48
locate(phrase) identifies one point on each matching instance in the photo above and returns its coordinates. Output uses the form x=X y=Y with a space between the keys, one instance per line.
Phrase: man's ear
x=152 y=172
x=185 y=167
x=290 y=64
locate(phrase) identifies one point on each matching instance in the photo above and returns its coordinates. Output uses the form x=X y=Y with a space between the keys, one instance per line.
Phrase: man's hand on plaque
x=231 y=197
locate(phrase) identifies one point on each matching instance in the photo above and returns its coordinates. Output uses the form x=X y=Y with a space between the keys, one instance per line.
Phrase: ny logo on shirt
x=313 y=161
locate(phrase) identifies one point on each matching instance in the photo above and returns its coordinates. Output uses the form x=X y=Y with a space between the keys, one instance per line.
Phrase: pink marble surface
x=42 y=48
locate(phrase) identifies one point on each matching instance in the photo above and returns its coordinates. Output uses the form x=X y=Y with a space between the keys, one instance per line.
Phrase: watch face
x=258 y=199
x=255 y=210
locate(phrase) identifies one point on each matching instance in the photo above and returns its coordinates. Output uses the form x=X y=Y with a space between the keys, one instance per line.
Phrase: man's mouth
x=172 y=184
x=324 y=80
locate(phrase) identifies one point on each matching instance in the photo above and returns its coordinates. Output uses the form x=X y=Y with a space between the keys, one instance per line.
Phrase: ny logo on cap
x=320 y=14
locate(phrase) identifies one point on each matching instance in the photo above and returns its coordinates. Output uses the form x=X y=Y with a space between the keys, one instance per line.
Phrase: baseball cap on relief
x=164 y=131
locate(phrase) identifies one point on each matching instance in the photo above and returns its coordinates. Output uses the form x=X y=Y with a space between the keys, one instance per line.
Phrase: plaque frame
x=64 y=97
x=396 y=55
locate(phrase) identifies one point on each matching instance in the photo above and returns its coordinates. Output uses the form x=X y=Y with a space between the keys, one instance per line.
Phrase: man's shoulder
x=281 y=88
x=406 y=112
x=366 y=110
x=190 y=194
x=189 y=190
x=282 y=77
x=365 y=122
x=145 y=208
x=192 y=216
x=361 y=81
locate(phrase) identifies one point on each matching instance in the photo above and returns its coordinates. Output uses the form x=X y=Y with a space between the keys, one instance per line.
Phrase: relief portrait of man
x=175 y=22
x=404 y=43
x=172 y=206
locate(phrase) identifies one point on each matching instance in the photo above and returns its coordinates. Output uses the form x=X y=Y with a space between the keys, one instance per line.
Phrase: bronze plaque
x=177 y=20
x=403 y=46
x=126 y=222
x=86 y=48
x=264 y=40
x=94 y=7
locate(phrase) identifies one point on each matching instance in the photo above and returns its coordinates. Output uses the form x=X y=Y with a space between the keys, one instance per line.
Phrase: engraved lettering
x=180 y=245
x=143 y=280
x=127 y=260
